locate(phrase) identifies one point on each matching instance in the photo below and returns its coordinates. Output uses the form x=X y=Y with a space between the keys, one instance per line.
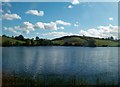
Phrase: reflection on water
x=79 y=61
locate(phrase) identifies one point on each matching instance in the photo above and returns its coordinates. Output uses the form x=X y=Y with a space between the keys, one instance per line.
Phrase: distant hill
x=8 y=41
x=62 y=41
x=84 y=41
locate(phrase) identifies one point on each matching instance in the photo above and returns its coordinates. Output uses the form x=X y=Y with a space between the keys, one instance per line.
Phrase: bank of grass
x=50 y=81
x=12 y=40
x=4 y=40
x=106 y=43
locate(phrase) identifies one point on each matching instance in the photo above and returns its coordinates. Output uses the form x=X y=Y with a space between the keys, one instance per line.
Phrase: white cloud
x=75 y=2
x=6 y=0
x=111 y=19
x=77 y=22
x=10 y=16
x=35 y=12
x=39 y=25
x=27 y=27
x=62 y=28
x=46 y=26
x=63 y=23
x=101 y=31
x=57 y=34
x=26 y=31
x=12 y=30
x=70 y=6
x=50 y=25
x=8 y=11
x=76 y=25
x=1 y=11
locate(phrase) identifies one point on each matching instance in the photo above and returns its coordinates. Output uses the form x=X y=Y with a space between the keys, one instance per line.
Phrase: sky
x=56 y=19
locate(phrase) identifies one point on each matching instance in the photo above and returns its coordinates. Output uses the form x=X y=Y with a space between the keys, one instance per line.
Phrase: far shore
x=59 y=46
x=77 y=41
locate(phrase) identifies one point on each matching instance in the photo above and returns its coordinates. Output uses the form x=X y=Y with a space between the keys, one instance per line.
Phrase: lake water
x=86 y=62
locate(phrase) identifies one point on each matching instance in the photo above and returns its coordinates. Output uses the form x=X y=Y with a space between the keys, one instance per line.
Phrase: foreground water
x=82 y=62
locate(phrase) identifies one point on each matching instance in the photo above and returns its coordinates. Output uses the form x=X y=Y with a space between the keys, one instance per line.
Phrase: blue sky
x=56 y=19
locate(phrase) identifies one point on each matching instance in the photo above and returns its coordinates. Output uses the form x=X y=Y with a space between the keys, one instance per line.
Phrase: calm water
x=87 y=62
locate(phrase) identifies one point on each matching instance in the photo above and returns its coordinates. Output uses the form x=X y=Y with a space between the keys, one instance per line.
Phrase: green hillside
x=106 y=42
x=62 y=41
x=68 y=39
x=10 y=41
x=83 y=41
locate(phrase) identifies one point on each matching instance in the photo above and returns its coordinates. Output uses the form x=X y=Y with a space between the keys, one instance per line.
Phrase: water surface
x=86 y=62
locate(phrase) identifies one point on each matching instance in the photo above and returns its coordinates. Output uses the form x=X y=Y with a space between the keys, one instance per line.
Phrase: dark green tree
x=37 y=38
x=111 y=38
x=91 y=42
x=20 y=37
x=28 y=42
x=4 y=36
x=7 y=43
x=33 y=43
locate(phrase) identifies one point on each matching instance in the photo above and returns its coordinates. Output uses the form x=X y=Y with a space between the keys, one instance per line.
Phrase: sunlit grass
x=51 y=80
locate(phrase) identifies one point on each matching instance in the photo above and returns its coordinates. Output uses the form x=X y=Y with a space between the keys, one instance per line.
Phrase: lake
x=85 y=62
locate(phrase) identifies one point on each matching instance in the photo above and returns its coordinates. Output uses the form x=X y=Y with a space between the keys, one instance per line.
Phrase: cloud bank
x=101 y=31
x=111 y=19
x=58 y=34
x=75 y=2
x=27 y=27
x=35 y=12
x=9 y=16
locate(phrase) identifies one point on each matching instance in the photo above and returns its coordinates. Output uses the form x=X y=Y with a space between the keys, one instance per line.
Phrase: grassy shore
x=50 y=81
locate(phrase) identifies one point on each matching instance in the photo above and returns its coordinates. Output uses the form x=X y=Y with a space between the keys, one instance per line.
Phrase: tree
x=28 y=42
x=111 y=38
x=20 y=37
x=33 y=42
x=4 y=36
x=7 y=43
x=91 y=42
x=17 y=43
x=37 y=38
x=13 y=37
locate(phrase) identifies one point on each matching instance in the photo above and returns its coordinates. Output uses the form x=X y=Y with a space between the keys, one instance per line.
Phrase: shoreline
x=50 y=80
x=59 y=46
x=78 y=41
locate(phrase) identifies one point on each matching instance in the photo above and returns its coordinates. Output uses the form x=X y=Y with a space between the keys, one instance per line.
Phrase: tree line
x=21 y=41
